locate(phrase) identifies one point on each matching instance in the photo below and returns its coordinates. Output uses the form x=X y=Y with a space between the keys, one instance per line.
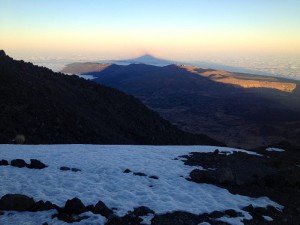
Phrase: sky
x=173 y=29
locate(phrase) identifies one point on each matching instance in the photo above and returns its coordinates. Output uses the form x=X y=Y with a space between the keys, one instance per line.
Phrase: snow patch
x=272 y=149
x=147 y=219
x=267 y=218
x=102 y=178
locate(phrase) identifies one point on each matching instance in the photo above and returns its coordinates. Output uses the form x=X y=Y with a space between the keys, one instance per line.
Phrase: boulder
x=129 y=219
x=43 y=206
x=216 y=152
x=16 y=202
x=75 y=170
x=142 y=211
x=36 y=164
x=140 y=174
x=127 y=171
x=101 y=208
x=3 y=162
x=64 y=168
x=178 y=218
x=154 y=177
x=69 y=218
x=233 y=213
x=20 y=163
x=74 y=206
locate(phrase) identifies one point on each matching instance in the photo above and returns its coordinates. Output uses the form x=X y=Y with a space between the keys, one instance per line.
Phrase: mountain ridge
x=50 y=108
x=229 y=107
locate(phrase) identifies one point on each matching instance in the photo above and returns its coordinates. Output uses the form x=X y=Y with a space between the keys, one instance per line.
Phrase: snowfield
x=102 y=178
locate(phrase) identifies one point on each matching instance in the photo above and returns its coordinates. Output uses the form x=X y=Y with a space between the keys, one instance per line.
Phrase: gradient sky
x=174 y=29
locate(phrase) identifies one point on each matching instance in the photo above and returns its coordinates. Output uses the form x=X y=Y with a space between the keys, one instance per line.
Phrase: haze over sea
x=283 y=66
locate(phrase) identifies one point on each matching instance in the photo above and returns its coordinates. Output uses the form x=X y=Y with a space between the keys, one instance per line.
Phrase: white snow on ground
x=267 y=218
x=147 y=219
x=274 y=149
x=102 y=178
x=87 y=77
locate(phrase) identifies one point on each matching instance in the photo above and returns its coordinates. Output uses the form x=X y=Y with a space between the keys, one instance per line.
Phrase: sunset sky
x=174 y=29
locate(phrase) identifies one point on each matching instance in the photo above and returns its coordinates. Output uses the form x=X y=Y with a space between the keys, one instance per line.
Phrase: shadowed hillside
x=240 y=109
x=50 y=107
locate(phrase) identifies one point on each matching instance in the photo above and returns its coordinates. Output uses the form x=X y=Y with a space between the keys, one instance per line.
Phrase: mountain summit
x=146 y=59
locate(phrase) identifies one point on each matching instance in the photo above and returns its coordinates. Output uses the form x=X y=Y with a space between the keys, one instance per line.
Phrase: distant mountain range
x=152 y=60
x=242 y=110
x=50 y=108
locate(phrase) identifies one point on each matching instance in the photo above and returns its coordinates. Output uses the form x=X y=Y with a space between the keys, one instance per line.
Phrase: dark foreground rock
x=20 y=163
x=36 y=164
x=127 y=171
x=220 y=176
x=65 y=168
x=69 y=218
x=101 y=208
x=74 y=206
x=75 y=170
x=142 y=211
x=3 y=162
x=43 y=206
x=185 y=218
x=129 y=219
x=273 y=174
x=16 y=202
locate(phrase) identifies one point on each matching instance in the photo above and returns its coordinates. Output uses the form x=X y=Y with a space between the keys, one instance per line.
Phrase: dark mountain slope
x=50 y=107
x=239 y=109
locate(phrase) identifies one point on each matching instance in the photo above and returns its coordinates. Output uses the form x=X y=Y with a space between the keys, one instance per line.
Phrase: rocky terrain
x=47 y=107
x=242 y=110
x=274 y=174
x=244 y=80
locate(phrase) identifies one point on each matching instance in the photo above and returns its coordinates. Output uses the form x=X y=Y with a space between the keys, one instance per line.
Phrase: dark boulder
x=129 y=219
x=3 y=162
x=75 y=170
x=142 y=211
x=216 y=214
x=101 y=208
x=20 y=163
x=36 y=164
x=43 y=206
x=233 y=213
x=69 y=218
x=64 y=168
x=216 y=152
x=127 y=171
x=178 y=218
x=154 y=177
x=16 y=202
x=140 y=174
x=90 y=208
x=74 y=206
